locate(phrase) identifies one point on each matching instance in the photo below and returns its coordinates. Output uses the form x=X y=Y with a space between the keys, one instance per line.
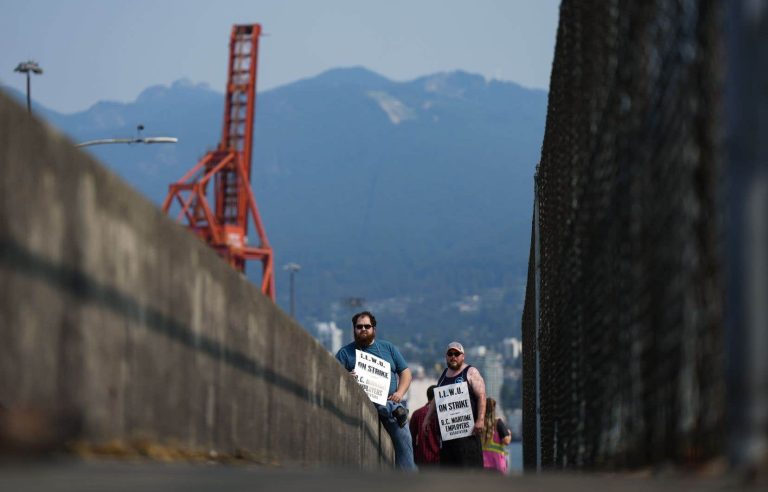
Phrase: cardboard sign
x=454 y=411
x=374 y=375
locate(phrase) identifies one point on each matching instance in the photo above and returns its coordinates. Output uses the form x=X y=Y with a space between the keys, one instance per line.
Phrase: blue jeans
x=401 y=436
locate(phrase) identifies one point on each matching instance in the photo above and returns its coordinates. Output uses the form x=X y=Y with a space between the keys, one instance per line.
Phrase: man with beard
x=466 y=452
x=393 y=415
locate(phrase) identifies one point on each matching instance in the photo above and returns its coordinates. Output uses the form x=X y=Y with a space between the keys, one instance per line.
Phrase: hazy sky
x=92 y=50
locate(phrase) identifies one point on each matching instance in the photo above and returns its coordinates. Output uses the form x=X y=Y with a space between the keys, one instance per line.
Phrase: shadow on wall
x=121 y=324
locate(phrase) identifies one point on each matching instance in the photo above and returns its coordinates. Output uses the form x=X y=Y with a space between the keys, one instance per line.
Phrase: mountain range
x=413 y=199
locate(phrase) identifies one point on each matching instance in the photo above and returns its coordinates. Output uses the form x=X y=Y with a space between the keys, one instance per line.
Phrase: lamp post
x=292 y=268
x=144 y=140
x=137 y=139
x=25 y=68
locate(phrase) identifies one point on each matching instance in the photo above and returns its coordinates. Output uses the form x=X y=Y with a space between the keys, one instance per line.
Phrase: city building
x=491 y=366
x=512 y=348
x=329 y=335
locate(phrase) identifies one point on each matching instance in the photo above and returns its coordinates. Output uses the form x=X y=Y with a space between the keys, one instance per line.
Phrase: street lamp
x=145 y=140
x=292 y=268
x=27 y=67
x=137 y=139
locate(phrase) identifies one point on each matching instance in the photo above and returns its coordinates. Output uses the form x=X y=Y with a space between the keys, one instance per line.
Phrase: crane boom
x=224 y=226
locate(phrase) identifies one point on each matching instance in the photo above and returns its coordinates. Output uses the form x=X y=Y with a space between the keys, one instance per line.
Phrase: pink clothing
x=495 y=454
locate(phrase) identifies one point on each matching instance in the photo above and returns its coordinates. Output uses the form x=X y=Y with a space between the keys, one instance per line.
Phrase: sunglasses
x=363 y=327
x=453 y=354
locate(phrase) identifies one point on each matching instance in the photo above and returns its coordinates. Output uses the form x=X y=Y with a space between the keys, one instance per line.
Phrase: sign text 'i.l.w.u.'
x=373 y=374
x=454 y=411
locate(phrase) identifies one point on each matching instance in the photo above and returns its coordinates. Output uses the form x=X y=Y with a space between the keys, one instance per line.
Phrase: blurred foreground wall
x=117 y=325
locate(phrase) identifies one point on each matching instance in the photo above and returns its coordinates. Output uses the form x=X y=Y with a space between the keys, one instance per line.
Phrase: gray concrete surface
x=148 y=477
x=117 y=324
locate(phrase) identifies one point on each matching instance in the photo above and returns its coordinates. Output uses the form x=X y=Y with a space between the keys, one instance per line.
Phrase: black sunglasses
x=363 y=327
x=453 y=353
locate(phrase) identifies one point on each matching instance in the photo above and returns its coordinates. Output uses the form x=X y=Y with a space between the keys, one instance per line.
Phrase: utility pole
x=25 y=68
x=292 y=268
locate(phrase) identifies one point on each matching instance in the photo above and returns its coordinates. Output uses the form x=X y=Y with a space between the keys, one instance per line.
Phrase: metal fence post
x=746 y=169
x=537 y=291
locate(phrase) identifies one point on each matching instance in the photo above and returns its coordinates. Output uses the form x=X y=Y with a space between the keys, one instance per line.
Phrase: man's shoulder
x=394 y=352
x=349 y=346
x=346 y=349
x=473 y=372
x=386 y=343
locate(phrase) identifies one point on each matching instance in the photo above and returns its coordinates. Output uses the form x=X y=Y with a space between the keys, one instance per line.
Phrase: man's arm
x=403 y=382
x=477 y=384
x=429 y=416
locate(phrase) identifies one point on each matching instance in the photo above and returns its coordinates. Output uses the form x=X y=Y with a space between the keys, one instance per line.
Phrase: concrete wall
x=111 y=313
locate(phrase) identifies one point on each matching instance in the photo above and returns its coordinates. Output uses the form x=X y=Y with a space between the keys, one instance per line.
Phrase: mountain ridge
x=415 y=195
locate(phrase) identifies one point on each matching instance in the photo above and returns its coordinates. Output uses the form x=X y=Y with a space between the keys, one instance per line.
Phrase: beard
x=365 y=338
x=454 y=364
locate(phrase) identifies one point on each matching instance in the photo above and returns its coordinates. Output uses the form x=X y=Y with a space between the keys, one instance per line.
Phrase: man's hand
x=396 y=397
x=478 y=429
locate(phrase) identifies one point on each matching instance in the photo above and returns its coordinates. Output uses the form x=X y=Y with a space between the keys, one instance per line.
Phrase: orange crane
x=223 y=222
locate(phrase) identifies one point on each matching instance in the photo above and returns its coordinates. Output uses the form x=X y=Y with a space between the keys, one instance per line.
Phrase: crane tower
x=226 y=172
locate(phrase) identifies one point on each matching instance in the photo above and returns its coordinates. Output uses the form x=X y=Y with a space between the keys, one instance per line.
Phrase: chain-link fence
x=627 y=302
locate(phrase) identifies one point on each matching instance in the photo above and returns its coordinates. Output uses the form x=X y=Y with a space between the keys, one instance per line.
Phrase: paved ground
x=84 y=476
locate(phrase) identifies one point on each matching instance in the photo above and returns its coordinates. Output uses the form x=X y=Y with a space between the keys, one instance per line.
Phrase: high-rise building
x=491 y=366
x=512 y=348
x=329 y=335
x=493 y=373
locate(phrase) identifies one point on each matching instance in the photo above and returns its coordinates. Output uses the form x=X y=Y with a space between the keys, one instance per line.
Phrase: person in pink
x=496 y=436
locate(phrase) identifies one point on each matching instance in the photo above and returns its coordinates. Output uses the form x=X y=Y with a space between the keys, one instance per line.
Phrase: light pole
x=292 y=268
x=137 y=139
x=25 y=68
x=144 y=140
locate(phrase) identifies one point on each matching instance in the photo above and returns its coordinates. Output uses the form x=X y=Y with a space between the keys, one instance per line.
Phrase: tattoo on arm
x=476 y=381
